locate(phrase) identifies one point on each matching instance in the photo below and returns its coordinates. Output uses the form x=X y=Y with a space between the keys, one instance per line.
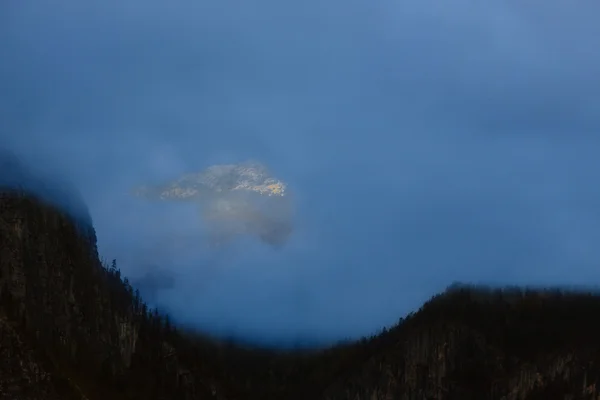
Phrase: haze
x=426 y=143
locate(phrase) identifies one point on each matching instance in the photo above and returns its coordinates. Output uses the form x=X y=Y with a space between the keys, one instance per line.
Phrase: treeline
x=92 y=326
x=523 y=324
x=240 y=371
x=124 y=296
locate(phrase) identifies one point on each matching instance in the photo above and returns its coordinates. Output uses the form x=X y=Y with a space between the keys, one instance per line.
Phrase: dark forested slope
x=73 y=328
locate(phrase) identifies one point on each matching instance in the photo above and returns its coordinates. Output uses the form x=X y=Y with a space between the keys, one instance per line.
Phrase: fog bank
x=425 y=143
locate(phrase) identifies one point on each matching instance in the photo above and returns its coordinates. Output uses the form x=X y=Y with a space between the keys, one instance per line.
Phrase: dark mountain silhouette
x=72 y=327
x=51 y=189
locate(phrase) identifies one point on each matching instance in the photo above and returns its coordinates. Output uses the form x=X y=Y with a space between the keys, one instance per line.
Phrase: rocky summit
x=249 y=176
x=234 y=199
x=72 y=327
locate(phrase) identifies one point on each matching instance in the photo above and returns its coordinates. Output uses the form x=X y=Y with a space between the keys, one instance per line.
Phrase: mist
x=425 y=143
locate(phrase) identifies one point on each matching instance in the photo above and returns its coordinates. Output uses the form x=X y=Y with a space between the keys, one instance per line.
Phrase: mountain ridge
x=71 y=327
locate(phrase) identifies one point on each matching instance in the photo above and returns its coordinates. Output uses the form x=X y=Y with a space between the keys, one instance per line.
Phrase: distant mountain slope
x=248 y=176
x=73 y=328
x=479 y=343
x=234 y=199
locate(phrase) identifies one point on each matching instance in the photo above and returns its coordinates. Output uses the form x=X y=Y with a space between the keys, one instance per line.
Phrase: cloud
x=426 y=143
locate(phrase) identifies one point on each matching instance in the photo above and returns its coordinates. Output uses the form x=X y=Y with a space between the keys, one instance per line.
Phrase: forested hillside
x=72 y=327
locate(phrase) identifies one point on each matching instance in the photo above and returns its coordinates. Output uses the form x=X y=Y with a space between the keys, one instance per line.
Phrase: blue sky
x=426 y=142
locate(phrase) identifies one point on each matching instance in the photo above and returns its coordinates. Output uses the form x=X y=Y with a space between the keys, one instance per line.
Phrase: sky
x=426 y=143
